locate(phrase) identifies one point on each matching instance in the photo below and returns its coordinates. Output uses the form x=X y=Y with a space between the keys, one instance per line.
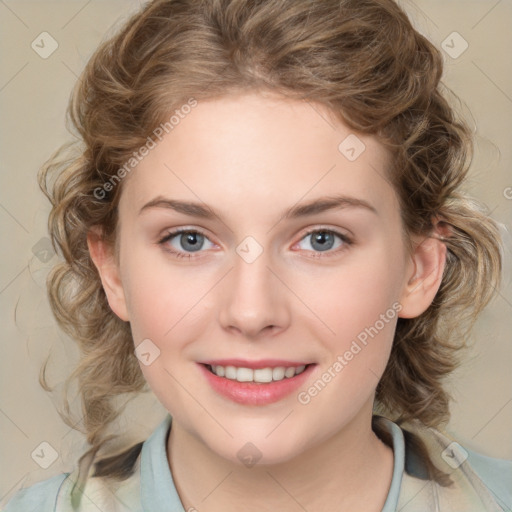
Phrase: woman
x=265 y=226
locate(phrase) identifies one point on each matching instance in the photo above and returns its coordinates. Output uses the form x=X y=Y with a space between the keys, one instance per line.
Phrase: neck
x=333 y=475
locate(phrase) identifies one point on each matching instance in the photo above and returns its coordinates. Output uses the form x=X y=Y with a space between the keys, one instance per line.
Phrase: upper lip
x=260 y=363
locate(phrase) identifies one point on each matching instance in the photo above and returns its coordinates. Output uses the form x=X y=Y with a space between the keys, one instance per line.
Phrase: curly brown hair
x=364 y=61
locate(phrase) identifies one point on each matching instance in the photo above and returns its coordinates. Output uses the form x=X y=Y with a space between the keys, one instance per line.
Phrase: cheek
x=166 y=304
x=356 y=295
x=165 y=308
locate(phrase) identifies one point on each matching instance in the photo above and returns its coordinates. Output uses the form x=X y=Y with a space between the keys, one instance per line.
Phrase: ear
x=426 y=272
x=103 y=257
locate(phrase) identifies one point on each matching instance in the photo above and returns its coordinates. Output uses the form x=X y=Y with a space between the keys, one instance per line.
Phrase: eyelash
x=345 y=239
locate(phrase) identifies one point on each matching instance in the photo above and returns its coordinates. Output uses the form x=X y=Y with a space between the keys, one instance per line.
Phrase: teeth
x=260 y=375
x=230 y=372
x=289 y=372
x=278 y=373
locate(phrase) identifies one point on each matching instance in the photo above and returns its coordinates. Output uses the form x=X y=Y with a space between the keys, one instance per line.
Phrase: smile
x=256 y=386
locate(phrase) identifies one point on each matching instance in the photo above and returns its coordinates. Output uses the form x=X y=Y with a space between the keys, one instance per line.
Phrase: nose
x=253 y=301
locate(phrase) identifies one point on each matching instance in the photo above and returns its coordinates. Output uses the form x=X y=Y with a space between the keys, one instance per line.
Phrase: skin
x=250 y=157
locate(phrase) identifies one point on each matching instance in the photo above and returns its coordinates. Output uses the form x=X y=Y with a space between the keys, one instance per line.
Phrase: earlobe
x=102 y=255
x=428 y=262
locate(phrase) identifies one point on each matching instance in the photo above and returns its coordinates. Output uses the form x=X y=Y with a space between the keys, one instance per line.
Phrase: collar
x=158 y=492
x=151 y=487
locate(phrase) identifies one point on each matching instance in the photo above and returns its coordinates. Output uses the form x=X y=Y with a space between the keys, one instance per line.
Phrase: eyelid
x=171 y=233
x=343 y=233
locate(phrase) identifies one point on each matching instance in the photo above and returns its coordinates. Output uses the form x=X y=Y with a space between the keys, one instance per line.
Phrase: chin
x=248 y=450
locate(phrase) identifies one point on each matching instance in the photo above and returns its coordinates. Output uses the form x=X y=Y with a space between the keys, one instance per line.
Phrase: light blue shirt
x=481 y=483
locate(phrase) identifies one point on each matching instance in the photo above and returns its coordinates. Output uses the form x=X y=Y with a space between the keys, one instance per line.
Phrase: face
x=261 y=277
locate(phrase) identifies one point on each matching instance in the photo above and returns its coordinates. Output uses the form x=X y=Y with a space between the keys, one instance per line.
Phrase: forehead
x=251 y=150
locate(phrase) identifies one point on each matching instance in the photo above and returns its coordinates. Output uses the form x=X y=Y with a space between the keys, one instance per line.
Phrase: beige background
x=33 y=97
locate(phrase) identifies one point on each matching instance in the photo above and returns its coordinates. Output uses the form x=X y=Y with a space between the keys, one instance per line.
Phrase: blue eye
x=187 y=239
x=323 y=240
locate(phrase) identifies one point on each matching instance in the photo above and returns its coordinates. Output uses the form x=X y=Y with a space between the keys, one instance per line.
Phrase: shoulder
x=495 y=473
x=64 y=493
x=39 y=497
x=476 y=480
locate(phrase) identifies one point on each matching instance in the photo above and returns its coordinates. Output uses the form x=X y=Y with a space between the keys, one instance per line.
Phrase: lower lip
x=252 y=393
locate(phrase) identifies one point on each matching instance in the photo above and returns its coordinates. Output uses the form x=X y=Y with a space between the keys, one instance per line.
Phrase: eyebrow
x=316 y=206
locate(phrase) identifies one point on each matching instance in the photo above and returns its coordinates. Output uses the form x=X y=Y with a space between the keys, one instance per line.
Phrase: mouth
x=256 y=386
